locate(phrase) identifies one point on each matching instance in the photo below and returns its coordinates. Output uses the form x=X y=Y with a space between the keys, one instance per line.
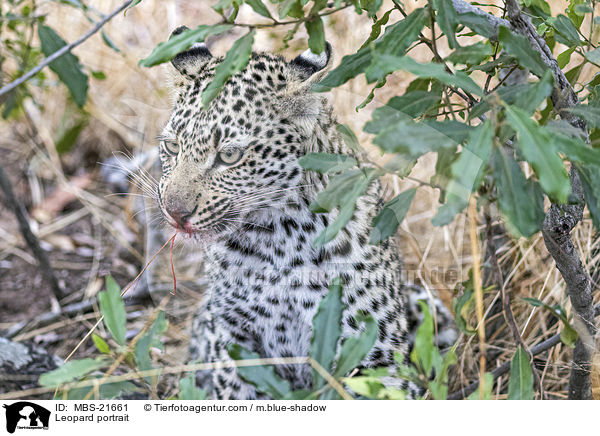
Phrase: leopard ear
x=309 y=65
x=189 y=62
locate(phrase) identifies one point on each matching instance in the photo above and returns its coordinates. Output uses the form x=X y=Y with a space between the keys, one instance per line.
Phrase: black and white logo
x=26 y=415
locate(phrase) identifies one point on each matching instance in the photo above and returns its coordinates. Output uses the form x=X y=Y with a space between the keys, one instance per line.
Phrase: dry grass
x=127 y=112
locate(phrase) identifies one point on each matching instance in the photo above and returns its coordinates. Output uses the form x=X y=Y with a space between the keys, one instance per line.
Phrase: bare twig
x=64 y=50
x=32 y=241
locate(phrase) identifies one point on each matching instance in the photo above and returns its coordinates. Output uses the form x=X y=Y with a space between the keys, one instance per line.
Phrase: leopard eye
x=229 y=157
x=171 y=147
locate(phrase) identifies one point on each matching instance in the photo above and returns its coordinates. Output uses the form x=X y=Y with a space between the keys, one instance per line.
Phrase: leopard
x=233 y=187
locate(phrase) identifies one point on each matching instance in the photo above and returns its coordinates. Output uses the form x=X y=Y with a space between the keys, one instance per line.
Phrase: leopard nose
x=181 y=217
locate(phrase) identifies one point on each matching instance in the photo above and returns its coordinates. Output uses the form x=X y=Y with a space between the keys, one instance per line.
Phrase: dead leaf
x=54 y=203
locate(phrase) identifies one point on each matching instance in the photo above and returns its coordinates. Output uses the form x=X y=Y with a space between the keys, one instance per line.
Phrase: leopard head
x=239 y=155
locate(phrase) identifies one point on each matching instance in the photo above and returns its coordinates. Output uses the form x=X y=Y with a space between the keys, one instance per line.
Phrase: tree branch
x=64 y=50
x=560 y=219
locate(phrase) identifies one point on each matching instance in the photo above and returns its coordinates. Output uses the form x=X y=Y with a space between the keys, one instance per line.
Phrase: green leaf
x=106 y=391
x=369 y=387
x=487 y=393
x=568 y=336
x=71 y=370
x=471 y=54
x=565 y=57
x=109 y=43
x=415 y=139
x=591 y=114
x=326 y=163
x=131 y=5
x=478 y=23
x=327 y=330
x=149 y=340
x=396 y=39
x=259 y=7
x=302 y=394
x=292 y=8
x=371 y=6
x=519 y=47
x=70 y=135
x=399 y=36
x=536 y=145
x=188 y=389
x=514 y=191
x=401 y=108
x=576 y=149
x=467 y=173
x=424 y=349
x=222 y=6
x=66 y=67
x=590 y=179
x=565 y=28
x=355 y=349
x=383 y=64
x=443 y=167
x=573 y=74
x=502 y=61
x=376 y=28
x=462 y=308
x=386 y=223
x=527 y=96
x=262 y=376
x=165 y=51
x=593 y=55
x=316 y=34
x=348 y=137
x=100 y=75
x=113 y=310
x=400 y=165
x=342 y=192
x=520 y=382
x=534 y=95
x=439 y=386
x=447 y=19
x=100 y=344
x=350 y=67
x=235 y=60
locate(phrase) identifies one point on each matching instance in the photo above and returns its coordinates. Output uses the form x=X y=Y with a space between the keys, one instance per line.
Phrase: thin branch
x=32 y=241
x=64 y=50
x=285 y=23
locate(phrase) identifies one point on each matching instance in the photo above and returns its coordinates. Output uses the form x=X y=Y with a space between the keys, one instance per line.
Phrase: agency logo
x=26 y=415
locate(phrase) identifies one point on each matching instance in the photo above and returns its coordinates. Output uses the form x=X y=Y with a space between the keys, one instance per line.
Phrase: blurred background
x=91 y=222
